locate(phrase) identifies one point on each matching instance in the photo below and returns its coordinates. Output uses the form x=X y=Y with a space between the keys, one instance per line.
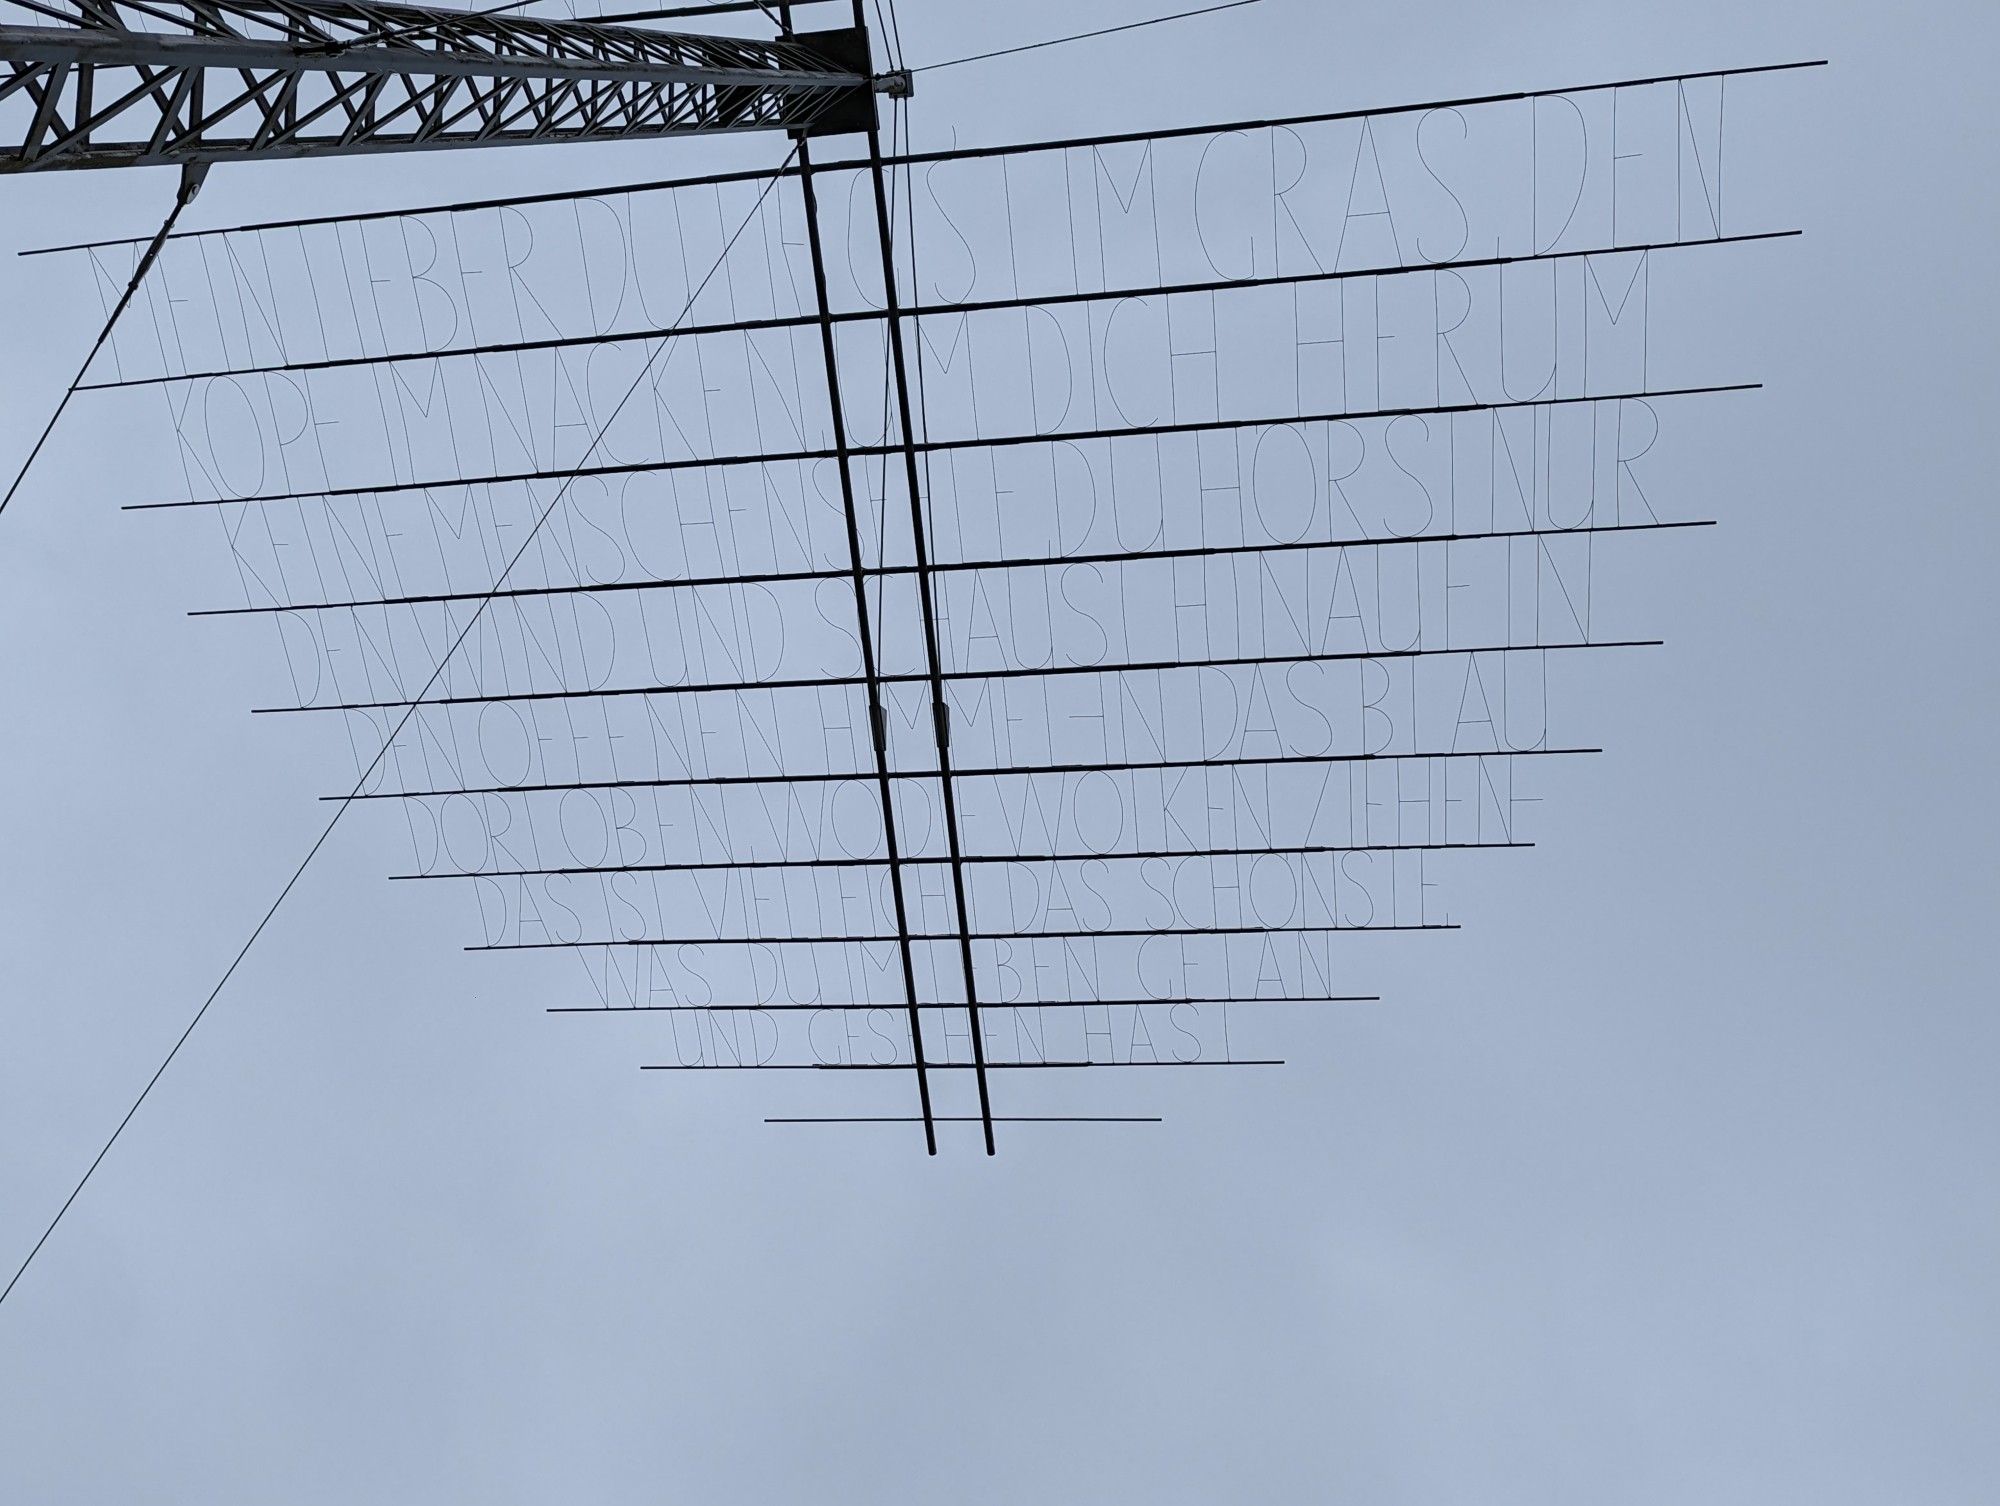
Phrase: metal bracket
x=843 y=50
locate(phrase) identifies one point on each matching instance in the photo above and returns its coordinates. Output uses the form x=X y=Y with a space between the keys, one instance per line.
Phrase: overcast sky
x=1666 y=1179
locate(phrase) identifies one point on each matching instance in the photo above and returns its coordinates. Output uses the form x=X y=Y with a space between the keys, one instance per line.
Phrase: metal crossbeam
x=133 y=83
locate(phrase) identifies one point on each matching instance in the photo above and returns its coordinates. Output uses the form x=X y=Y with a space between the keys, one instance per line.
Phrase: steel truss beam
x=134 y=83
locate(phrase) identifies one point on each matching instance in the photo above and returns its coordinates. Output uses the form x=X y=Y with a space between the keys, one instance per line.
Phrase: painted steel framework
x=133 y=83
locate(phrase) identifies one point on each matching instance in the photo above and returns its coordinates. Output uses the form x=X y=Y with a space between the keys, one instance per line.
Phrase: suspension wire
x=892 y=33
x=436 y=674
x=191 y=177
x=1179 y=15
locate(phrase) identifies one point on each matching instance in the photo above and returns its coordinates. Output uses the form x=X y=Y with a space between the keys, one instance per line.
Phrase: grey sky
x=1665 y=1180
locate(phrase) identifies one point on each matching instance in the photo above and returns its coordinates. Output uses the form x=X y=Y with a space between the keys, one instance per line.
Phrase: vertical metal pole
x=940 y=710
x=878 y=723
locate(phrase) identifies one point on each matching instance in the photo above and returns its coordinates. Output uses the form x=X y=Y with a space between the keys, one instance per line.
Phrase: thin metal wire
x=190 y=185
x=980 y=57
x=341 y=809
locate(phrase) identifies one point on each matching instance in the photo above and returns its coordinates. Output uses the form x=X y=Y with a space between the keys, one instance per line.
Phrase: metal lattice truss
x=128 y=83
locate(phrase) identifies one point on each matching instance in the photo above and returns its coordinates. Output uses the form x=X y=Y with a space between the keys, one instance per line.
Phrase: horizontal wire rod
x=972 y=857
x=959 y=154
x=1031 y=562
x=939 y=446
x=1015 y=672
x=1007 y=771
x=931 y=311
x=970 y=1119
x=937 y=1066
x=947 y=1004
x=1114 y=933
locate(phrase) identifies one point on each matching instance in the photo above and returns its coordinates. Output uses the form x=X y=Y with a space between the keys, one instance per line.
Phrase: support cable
x=368 y=773
x=191 y=177
x=1179 y=15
